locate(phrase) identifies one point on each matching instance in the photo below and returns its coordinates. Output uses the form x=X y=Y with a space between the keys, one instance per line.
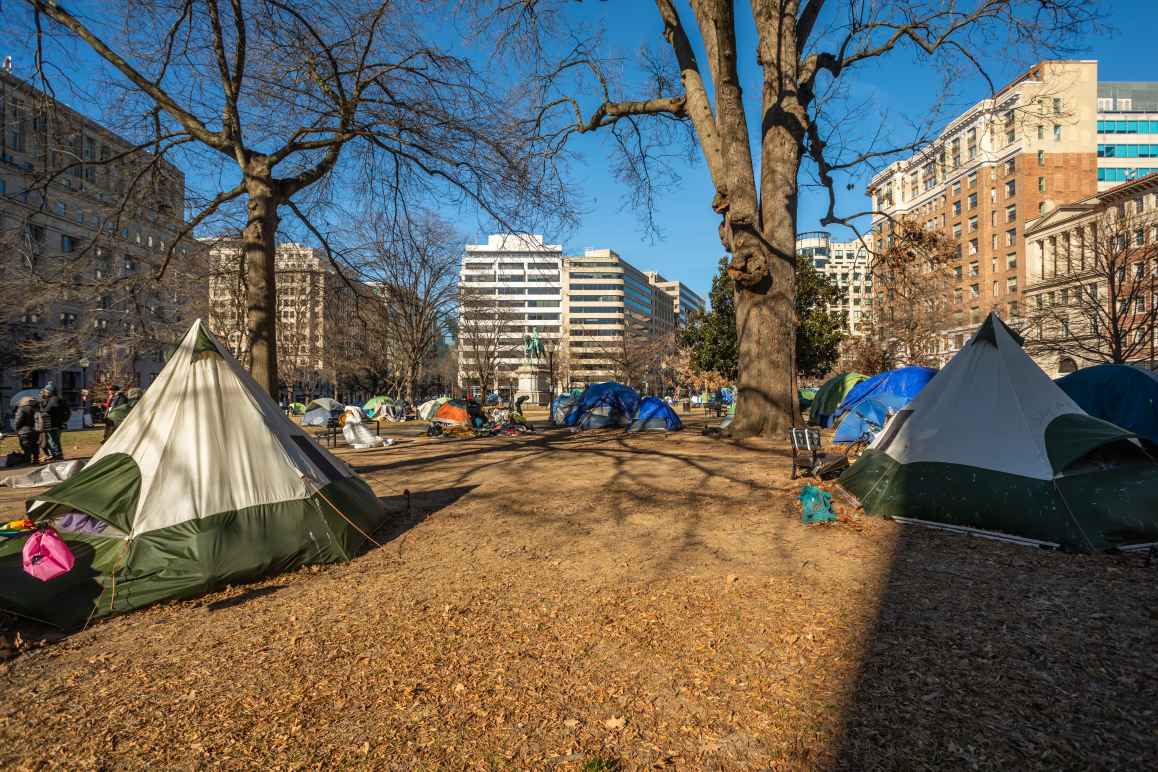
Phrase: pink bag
x=46 y=556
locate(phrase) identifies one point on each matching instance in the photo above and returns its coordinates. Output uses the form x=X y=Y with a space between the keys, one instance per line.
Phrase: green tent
x=829 y=396
x=297 y=408
x=993 y=444
x=806 y=396
x=372 y=405
x=205 y=484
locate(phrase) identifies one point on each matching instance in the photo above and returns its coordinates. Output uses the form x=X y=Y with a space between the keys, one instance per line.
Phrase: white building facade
x=848 y=264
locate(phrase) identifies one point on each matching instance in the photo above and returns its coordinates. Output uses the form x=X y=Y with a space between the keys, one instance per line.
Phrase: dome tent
x=205 y=484
x=321 y=411
x=828 y=398
x=992 y=444
x=654 y=414
x=602 y=405
x=427 y=409
x=459 y=412
x=1124 y=395
x=888 y=391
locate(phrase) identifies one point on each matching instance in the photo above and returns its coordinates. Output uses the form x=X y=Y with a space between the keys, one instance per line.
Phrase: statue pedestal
x=533 y=383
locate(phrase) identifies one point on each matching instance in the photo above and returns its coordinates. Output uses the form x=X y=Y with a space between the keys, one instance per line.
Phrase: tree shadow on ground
x=408 y=509
x=1004 y=657
x=244 y=597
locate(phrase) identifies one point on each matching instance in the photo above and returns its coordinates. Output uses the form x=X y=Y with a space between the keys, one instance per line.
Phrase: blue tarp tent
x=1124 y=395
x=604 y=404
x=655 y=414
x=560 y=406
x=891 y=390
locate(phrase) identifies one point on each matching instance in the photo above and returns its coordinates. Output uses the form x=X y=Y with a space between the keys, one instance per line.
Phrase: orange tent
x=454 y=413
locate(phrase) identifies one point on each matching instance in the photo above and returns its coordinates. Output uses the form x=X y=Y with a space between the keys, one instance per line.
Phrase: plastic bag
x=816 y=505
x=46 y=556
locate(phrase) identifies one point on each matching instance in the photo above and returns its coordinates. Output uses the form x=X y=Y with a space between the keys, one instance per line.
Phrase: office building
x=77 y=206
x=686 y=301
x=522 y=274
x=1127 y=132
x=846 y=263
x=1011 y=158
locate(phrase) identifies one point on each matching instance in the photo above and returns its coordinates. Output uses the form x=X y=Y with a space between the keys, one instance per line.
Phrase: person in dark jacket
x=116 y=398
x=55 y=414
x=24 y=424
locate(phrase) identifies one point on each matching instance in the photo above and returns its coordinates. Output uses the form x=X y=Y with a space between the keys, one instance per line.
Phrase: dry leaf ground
x=556 y=600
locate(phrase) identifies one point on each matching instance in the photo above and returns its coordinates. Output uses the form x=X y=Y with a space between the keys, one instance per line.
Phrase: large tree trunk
x=259 y=247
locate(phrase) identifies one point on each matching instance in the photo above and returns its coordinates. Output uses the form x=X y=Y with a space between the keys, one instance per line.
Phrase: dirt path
x=653 y=600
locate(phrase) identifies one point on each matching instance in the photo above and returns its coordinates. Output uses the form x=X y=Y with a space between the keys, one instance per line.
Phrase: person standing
x=55 y=417
x=24 y=424
x=114 y=399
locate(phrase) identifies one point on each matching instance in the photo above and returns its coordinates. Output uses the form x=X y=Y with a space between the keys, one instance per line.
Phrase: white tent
x=992 y=443
x=207 y=483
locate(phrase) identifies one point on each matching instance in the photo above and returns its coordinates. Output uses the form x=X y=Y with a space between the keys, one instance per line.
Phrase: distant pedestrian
x=54 y=414
x=115 y=398
x=24 y=424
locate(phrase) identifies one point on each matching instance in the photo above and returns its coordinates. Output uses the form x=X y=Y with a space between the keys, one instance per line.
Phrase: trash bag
x=816 y=505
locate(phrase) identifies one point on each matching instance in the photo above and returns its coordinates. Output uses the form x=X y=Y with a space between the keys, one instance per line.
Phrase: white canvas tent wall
x=207 y=483
x=993 y=443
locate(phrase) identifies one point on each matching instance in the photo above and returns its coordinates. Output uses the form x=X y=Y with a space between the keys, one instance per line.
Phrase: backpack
x=46 y=556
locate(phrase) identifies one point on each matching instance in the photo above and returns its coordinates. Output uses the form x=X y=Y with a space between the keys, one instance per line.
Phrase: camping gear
x=45 y=556
x=1124 y=395
x=805 y=441
x=653 y=414
x=602 y=405
x=806 y=396
x=381 y=407
x=460 y=412
x=17 y=527
x=993 y=444
x=427 y=409
x=297 y=408
x=325 y=403
x=357 y=434
x=829 y=396
x=207 y=483
x=815 y=505
x=49 y=474
x=890 y=391
x=560 y=406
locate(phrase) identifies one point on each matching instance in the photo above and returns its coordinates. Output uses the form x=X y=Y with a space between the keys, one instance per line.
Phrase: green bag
x=816 y=505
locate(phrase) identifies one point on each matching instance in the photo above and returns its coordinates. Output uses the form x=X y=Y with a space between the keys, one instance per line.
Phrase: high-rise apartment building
x=1053 y=135
x=85 y=221
x=847 y=263
x=322 y=317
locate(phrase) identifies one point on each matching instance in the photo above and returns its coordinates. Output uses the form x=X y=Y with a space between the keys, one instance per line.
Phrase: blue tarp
x=654 y=413
x=1124 y=395
x=604 y=404
x=560 y=405
x=868 y=417
x=891 y=390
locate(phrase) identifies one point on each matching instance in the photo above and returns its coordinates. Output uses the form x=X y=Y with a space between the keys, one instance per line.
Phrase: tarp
x=319 y=416
x=50 y=474
x=828 y=398
x=890 y=390
x=297 y=408
x=560 y=406
x=654 y=414
x=992 y=443
x=356 y=433
x=1124 y=395
x=603 y=404
x=206 y=483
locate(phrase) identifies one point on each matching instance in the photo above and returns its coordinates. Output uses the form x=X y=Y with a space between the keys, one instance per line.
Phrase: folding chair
x=805 y=440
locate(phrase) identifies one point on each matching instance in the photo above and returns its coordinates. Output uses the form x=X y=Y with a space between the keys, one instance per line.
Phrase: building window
x=972 y=180
x=1009 y=167
x=1041 y=184
x=974 y=269
x=1011 y=285
x=1041 y=158
x=956 y=208
x=1011 y=188
x=1040 y=131
x=972 y=224
x=1041 y=207
x=1011 y=214
x=1011 y=237
x=972 y=200
x=971 y=144
x=974 y=290
x=1139 y=236
x=1057 y=132
x=1011 y=263
x=973 y=247
x=1057 y=105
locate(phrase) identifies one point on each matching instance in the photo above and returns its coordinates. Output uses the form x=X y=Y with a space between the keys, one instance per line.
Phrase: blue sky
x=690 y=248
x=890 y=93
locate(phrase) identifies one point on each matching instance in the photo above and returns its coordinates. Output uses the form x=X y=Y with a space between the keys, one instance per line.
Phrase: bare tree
x=284 y=101
x=634 y=356
x=803 y=48
x=413 y=265
x=914 y=300
x=1099 y=304
x=487 y=334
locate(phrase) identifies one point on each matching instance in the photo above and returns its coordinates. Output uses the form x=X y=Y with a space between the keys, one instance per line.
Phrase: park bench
x=805 y=442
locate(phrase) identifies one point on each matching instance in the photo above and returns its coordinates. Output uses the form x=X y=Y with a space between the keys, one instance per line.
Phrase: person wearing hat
x=55 y=414
x=24 y=424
